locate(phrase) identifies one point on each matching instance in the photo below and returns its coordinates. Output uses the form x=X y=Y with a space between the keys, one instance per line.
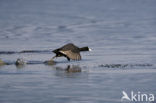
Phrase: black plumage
x=70 y=51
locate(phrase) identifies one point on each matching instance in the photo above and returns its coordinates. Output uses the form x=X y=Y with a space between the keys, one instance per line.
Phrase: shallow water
x=121 y=34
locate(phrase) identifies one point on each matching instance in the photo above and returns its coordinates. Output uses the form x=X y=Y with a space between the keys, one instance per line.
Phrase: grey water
x=121 y=34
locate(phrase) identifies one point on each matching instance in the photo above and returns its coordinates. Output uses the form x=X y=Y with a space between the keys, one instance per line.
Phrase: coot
x=70 y=51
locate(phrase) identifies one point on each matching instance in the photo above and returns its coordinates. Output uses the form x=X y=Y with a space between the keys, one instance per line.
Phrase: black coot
x=70 y=51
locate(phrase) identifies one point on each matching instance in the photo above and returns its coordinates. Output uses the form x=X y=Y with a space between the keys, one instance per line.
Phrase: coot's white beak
x=90 y=49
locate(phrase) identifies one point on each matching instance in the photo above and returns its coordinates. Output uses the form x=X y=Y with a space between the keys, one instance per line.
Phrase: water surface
x=121 y=33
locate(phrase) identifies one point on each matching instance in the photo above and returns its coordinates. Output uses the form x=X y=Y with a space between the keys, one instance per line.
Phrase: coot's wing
x=71 y=47
x=71 y=55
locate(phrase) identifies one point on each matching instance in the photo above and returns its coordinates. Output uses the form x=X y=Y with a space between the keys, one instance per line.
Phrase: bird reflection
x=70 y=68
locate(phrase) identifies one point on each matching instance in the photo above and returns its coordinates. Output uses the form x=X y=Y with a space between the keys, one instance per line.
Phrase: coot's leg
x=54 y=57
